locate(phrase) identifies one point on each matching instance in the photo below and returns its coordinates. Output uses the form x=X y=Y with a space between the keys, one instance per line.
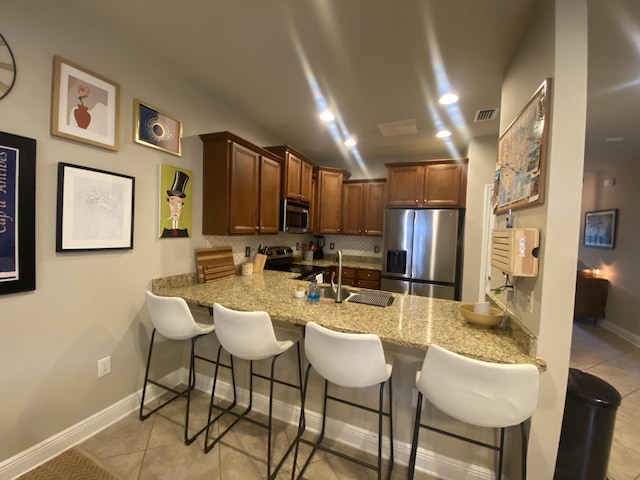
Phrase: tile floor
x=154 y=449
x=616 y=361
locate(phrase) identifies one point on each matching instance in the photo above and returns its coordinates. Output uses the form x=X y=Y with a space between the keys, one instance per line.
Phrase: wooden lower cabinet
x=361 y=278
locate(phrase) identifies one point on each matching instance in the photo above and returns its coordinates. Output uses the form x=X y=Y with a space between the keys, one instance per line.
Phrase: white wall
x=620 y=265
x=90 y=305
x=554 y=45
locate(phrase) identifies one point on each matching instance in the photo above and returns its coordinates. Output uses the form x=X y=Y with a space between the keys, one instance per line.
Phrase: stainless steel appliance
x=281 y=258
x=294 y=218
x=422 y=251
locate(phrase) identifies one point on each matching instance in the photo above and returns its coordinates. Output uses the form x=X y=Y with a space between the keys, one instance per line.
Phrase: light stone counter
x=411 y=321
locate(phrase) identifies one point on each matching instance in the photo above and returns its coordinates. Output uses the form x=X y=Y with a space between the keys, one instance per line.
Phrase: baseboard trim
x=426 y=461
x=621 y=332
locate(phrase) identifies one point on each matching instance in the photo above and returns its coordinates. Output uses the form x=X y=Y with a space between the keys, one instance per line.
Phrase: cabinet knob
x=417 y=201
x=257 y=227
x=366 y=231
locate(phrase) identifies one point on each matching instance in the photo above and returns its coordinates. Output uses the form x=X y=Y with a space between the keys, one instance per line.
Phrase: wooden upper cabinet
x=296 y=174
x=437 y=183
x=241 y=187
x=329 y=200
x=269 y=210
x=244 y=192
x=363 y=207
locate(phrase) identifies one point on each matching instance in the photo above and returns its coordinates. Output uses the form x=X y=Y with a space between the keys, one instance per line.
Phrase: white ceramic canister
x=247 y=269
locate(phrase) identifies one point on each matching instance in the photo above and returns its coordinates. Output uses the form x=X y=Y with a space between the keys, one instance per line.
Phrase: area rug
x=73 y=464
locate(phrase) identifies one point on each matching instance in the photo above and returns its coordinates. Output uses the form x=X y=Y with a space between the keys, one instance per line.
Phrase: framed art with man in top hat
x=175 y=202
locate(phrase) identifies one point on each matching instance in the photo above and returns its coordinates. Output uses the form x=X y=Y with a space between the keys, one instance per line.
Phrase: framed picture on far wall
x=85 y=106
x=157 y=129
x=600 y=228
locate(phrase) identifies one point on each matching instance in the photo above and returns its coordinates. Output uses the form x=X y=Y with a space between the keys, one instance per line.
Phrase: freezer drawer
x=431 y=290
x=396 y=286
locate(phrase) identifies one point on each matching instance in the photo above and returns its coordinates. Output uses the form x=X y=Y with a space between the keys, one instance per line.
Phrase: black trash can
x=587 y=428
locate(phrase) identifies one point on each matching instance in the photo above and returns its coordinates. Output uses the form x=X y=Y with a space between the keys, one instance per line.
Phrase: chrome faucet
x=338 y=289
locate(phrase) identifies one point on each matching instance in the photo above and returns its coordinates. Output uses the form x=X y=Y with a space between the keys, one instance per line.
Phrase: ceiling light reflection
x=350 y=142
x=443 y=134
x=327 y=116
x=448 y=99
x=337 y=129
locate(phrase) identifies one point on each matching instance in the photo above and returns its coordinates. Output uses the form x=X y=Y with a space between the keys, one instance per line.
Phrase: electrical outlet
x=104 y=366
x=332 y=246
x=530 y=302
x=297 y=245
x=376 y=249
x=510 y=295
x=247 y=251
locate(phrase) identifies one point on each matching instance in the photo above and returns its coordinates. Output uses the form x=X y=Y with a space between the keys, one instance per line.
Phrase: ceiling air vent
x=485 y=115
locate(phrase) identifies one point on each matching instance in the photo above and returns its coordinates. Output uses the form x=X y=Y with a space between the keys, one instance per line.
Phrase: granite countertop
x=411 y=321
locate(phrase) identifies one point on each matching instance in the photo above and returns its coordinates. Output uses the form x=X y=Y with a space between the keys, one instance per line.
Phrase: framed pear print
x=85 y=106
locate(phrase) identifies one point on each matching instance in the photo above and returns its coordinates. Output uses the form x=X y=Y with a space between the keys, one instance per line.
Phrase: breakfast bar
x=410 y=321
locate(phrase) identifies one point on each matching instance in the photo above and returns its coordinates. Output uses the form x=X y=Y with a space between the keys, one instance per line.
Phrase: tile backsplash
x=351 y=245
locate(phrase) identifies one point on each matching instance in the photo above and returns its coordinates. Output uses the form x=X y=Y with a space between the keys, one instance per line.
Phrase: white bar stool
x=351 y=360
x=476 y=392
x=250 y=336
x=172 y=318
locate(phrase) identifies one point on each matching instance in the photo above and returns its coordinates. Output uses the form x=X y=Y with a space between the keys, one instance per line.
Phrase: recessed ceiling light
x=614 y=139
x=327 y=116
x=350 y=142
x=448 y=98
x=443 y=134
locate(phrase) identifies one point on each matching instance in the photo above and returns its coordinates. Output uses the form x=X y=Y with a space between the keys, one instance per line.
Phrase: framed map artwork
x=519 y=178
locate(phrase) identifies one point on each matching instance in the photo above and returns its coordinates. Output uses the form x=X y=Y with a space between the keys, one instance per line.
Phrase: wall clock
x=7 y=68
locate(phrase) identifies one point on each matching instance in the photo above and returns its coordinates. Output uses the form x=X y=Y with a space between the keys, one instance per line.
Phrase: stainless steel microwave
x=294 y=217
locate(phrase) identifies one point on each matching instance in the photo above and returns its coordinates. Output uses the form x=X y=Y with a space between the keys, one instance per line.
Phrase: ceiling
x=279 y=62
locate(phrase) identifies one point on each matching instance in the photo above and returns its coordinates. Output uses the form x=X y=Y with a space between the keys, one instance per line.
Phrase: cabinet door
x=306 y=173
x=373 y=208
x=442 y=185
x=352 y=196
x=329 y=201
x=244 y=191
x=269 y=196
x=404 y=185
x=292 y=177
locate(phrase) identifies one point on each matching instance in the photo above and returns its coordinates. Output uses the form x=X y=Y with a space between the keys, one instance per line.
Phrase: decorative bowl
x=299 y=293
x=481 y=319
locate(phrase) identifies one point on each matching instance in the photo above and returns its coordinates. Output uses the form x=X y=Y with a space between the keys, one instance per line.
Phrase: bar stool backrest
x=347 y=359
x=247 y=335
x=172 y=318
x=476 y=392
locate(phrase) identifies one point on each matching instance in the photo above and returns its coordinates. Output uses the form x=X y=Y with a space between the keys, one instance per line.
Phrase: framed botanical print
x=95 y=209
x=85 y=106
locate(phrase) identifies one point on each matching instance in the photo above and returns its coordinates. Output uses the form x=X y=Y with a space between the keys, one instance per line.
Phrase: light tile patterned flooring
x=154 y=449
x=616 y=361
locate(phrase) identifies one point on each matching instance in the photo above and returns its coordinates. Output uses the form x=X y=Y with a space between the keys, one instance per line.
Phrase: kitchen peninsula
x=411 y=321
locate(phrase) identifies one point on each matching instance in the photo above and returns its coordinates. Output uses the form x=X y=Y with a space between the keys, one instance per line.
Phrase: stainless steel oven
x=294 y=217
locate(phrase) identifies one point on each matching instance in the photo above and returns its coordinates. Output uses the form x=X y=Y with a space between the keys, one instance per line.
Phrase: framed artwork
x=17 y=214
x=519 y=179
x=95 y=209
x=600 y=228
x=85 y=105
x=157 y=129
x=175 y=202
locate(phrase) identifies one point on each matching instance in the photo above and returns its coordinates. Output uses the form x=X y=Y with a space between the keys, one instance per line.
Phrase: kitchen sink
x=327 y=292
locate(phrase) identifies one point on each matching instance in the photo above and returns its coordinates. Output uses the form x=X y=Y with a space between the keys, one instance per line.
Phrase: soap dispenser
x=314 y=291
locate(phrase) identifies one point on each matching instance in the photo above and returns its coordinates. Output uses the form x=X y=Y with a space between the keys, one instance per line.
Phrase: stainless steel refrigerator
x=422 y=252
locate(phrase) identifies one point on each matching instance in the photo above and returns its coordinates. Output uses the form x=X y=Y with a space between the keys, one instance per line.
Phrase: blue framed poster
x=17 y=213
